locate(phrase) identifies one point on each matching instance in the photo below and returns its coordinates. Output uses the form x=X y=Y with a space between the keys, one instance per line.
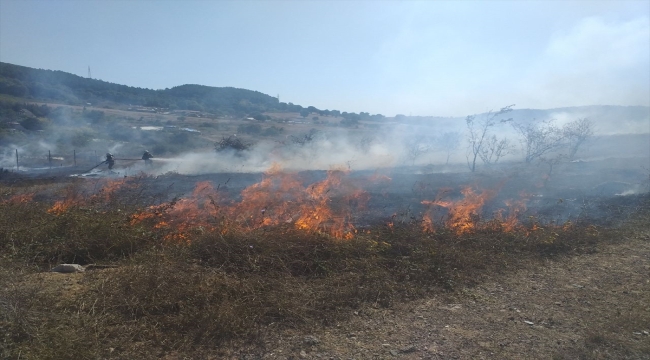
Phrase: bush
x=273 y=131
x=252 y=129
x=231 y=143
x=81 y=138
x=34 y=124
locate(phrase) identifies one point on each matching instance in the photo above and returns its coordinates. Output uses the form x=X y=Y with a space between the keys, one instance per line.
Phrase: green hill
x=59 y=86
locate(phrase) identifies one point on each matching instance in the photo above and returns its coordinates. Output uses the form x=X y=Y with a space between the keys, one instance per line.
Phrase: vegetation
x=196 y=293
x=483 y=144
x=231 y=143
x=58 y=86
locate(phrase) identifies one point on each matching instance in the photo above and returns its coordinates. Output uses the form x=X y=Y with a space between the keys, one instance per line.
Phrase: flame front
x=279 y=198
x=74 y=196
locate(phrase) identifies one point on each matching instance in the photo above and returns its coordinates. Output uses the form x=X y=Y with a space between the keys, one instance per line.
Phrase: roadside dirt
x=595 y=306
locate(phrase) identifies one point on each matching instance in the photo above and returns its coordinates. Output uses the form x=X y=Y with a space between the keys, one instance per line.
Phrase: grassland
x=228 y=293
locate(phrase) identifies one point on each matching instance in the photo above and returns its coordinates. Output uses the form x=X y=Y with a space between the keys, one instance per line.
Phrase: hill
x=59 y=86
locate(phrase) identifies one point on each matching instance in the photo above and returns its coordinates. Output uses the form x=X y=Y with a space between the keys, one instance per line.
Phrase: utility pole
x=89 y=76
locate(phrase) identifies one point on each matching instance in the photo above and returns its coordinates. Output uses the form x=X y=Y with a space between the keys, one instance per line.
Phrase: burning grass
x=199 y=272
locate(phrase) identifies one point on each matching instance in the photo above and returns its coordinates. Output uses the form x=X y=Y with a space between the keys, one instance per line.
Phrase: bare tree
x=304 y=139
x=539 y=138
x=551 y=163
x=576 y=133
x=365 y=143
x=449 y=142
x=494 y=149
x=478 y=135
x=415 y=147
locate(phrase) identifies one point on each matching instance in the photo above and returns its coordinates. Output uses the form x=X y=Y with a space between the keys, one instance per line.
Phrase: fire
x=111 y=186
x=74 y=196
x=272 y=201
x=279 y=198
x=462 y=215
x=317 y=214
x=328 y=206
x=198 y=211
x=515 y=209
x=20 y=199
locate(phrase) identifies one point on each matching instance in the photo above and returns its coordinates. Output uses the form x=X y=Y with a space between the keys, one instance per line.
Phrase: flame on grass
x=318 y=213
x=19 y=199
x=279 y=198
x=199 y=211
x=74 y=195
x=510 y=221
x=72 y=198
x=272 y=201
x=463 y=215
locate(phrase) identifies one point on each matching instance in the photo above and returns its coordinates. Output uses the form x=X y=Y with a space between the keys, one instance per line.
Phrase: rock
x=68 y=268
x=311 y=340
x=394 y=352
x=408 y=349
x=303 y=354
x=528 y=322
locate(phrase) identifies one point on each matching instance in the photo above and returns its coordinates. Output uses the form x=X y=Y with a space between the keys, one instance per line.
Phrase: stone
x=311 y=340
x=68 y=268
x=408 y=349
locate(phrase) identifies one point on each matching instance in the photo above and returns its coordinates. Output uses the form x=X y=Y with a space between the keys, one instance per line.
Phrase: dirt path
x=592 y=306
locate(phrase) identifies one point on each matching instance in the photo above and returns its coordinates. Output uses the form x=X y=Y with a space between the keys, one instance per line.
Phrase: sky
x=438 y=58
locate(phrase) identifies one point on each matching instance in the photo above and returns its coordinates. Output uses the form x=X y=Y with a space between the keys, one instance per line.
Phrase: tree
x=494 y=150
x=449 y=143
x=260 y=117
x=415 y=147
x=351 y=122
x=33 y=124
x=576 y=133
x=252 y=129
x=304 y=113
x=539 y=138
x=305 y=139
x=481 y=145
x=231 y=143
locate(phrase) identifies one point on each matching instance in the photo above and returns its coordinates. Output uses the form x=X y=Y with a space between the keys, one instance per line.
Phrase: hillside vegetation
x=25 y=82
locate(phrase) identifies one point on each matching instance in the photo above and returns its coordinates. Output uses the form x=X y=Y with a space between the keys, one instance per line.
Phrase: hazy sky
x=419 y=58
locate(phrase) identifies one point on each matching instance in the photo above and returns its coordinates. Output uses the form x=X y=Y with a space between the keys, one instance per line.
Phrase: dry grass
x=223 y=287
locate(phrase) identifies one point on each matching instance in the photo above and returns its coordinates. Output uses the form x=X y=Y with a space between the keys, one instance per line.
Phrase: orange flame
x=317 y=214
x=278 y=198
x=74 y=197
x=198 y=211
x=19 y=199
x=515 y=209
x=463 y=214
